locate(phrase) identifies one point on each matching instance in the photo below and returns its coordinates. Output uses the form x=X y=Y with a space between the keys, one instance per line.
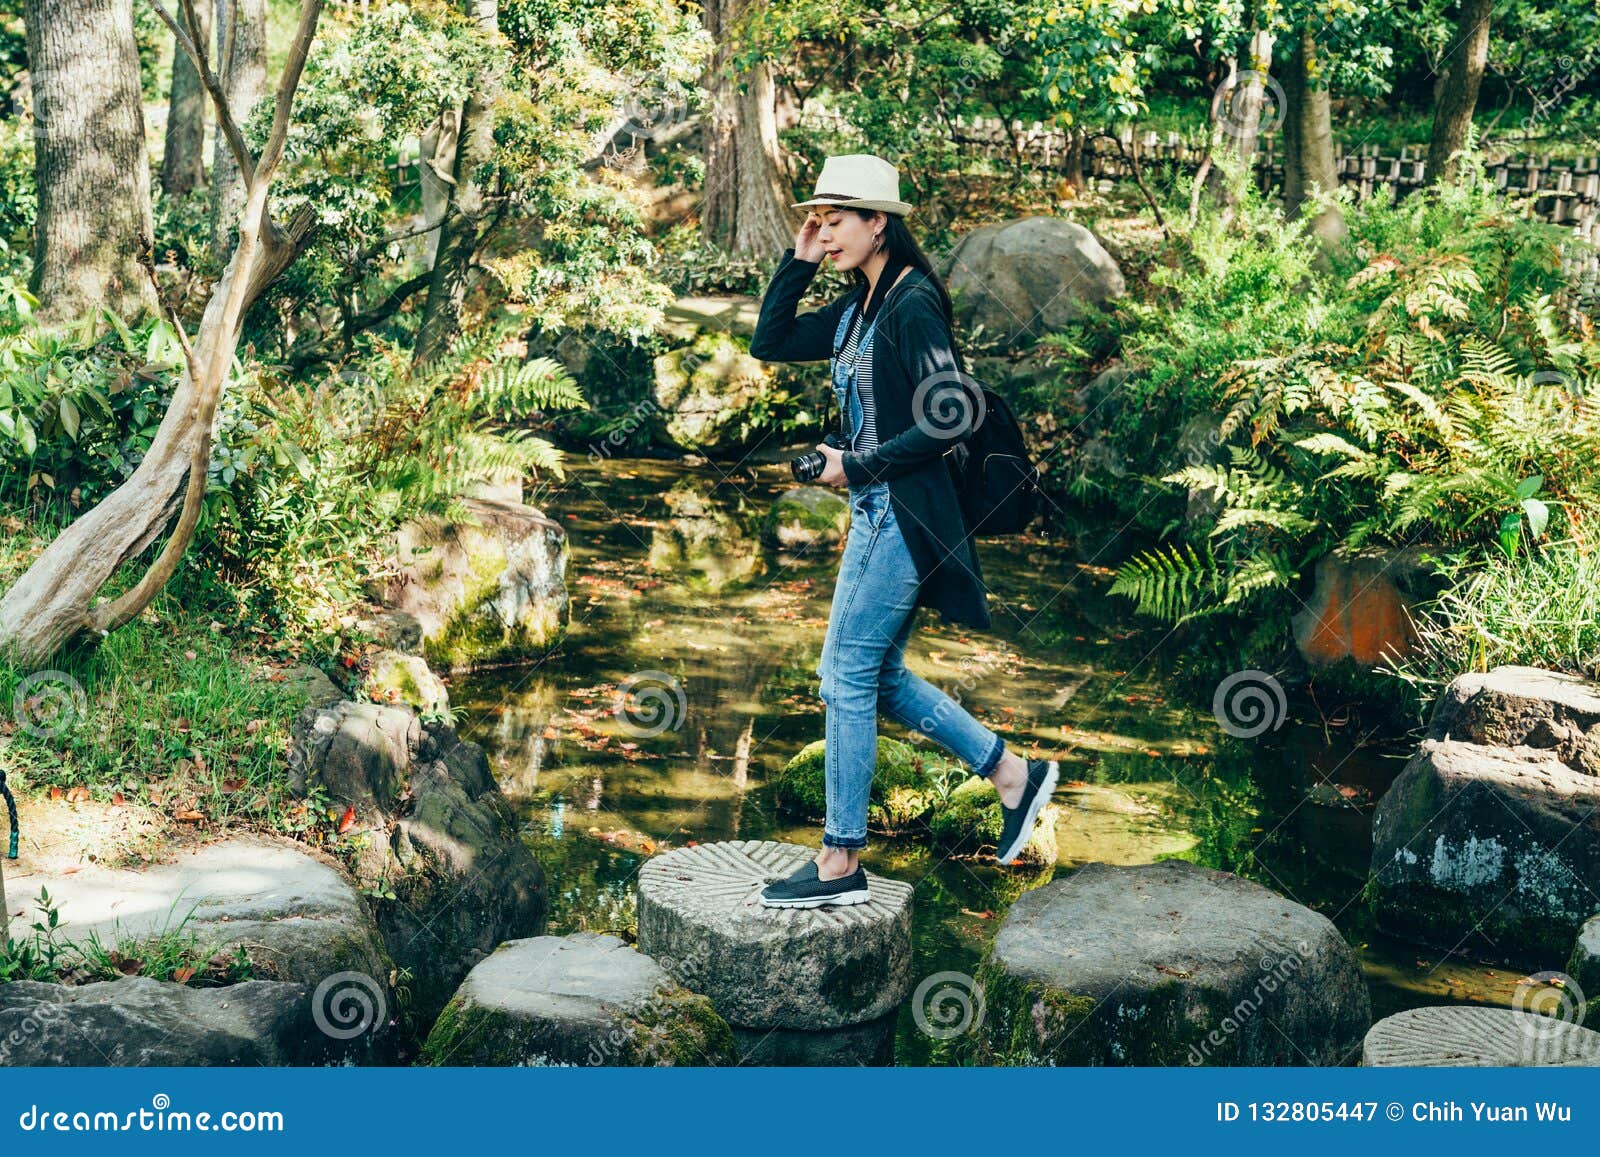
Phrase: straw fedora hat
x=857 y=181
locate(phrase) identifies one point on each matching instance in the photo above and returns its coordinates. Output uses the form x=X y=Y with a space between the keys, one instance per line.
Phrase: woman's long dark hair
x=902 y=247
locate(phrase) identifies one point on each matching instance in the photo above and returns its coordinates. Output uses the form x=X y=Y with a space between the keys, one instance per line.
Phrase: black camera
x=809 y=465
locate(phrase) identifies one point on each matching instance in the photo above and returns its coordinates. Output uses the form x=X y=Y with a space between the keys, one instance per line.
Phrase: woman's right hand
x=806 y=245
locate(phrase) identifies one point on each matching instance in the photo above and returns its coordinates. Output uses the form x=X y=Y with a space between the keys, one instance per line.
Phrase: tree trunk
x=744 y=207
x=90 y=165
x=1236 y=118
x=183 y=162
x=1458 y=90
x=436 y=167
x=458 y=235
x=242 y=66
x=1308 y=141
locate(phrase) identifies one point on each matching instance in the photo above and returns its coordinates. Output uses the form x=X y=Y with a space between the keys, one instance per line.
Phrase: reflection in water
x=669 y=581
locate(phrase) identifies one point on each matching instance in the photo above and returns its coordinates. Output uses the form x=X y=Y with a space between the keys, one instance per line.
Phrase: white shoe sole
x=1025 y=833
x=859 y=896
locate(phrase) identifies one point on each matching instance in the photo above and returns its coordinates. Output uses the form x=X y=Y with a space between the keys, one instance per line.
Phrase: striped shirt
x=867 y=436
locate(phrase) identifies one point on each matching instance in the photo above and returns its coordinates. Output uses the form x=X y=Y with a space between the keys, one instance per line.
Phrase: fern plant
x=1453 y=410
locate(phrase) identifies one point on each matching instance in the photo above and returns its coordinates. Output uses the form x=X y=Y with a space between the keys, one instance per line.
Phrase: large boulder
x=582 y=999
x=1454 y=1036
x=317 y=964
x=492 y=591
x=701 y=917
x=442 y=855
x=138 y=1022
x=1499 y=846
x=1167 y=964
x=707 y=391
x=1023 y=279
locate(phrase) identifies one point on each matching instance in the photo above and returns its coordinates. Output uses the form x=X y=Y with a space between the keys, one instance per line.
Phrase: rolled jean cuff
x=992 y=760
x=829 y=840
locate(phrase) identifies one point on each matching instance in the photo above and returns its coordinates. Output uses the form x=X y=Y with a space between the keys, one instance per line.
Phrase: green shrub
x=1421 y=389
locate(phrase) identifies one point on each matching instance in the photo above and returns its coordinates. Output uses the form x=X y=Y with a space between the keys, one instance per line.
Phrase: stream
x=670 y=581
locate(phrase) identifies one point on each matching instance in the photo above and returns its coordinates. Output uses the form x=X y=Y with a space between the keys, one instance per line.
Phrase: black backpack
x=995 y=479
x=996 y=482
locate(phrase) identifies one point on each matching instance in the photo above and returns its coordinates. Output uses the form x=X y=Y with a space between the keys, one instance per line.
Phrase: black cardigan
x=911 y=345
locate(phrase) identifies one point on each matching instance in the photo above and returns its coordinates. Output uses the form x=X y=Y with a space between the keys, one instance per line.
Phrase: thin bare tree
x=55 y=601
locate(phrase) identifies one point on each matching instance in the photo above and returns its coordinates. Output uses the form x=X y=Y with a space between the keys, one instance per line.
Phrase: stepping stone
x=700 y=915
x=582 y=999
x=1167 y=964
x=1462 y=1037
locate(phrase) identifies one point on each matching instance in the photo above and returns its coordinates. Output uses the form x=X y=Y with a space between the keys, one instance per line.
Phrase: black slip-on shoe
x=1018 y=829
x=803 y=889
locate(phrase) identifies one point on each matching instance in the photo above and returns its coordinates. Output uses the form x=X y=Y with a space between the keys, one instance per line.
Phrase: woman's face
x=847 y=236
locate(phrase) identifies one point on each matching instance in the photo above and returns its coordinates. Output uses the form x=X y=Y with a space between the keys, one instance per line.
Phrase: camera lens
x=808 y=466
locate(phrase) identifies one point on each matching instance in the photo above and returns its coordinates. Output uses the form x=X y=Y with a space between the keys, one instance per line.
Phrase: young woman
x=895 y=375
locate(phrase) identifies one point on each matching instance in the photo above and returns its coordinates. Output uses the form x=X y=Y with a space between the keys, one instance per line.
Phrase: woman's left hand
x=833 y=473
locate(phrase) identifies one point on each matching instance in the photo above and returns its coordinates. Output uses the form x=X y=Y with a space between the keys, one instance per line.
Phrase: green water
x=668 y=575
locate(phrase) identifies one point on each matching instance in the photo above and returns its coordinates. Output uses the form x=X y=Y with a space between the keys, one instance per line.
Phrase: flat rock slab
x=583 y=999
x=1168 y=964
x=700 y=915
x=1461 y=1037
x=300 y=918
